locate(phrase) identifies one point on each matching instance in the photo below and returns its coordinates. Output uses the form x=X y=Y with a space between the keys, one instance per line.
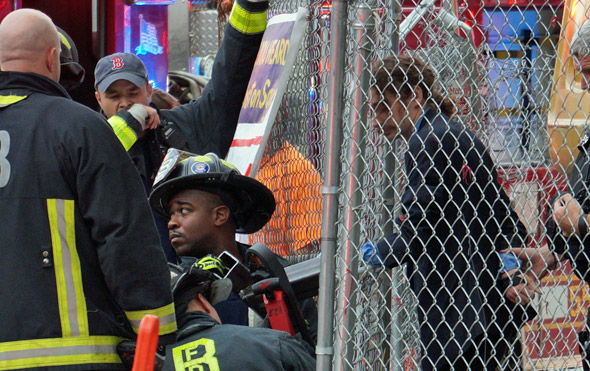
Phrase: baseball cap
x=119 y=66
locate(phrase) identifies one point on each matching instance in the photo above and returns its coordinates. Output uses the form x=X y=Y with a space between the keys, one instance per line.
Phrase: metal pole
x=347 y=294
x=395 y=323
x=324 y=349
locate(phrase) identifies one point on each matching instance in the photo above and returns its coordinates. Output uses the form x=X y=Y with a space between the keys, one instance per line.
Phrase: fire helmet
x=251 y=204
x=72 y=73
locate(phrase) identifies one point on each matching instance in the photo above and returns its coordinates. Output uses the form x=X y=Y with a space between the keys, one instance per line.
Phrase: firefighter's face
x=121 y=95
x=392 y=116
x=194 y=218
x=582 y=66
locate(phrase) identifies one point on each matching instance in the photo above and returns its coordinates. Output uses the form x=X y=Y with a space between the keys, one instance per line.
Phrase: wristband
x=583 y=225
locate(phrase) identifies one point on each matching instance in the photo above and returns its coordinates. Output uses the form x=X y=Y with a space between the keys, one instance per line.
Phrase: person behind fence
x=455 y=218
x=203 y=125
x=568 y=227
x=203 y=342
x=73 y=219
x=207 y=202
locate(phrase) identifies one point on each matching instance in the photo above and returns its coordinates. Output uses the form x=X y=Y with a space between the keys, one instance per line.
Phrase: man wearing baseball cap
x=204 y=125
x=203 y=342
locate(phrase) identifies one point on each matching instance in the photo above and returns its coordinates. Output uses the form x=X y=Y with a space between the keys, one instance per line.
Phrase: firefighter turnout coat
x=80 y=262
x=204 y=344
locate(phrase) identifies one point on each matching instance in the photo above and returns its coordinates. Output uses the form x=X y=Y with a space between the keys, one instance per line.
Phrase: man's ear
x=221 y=215
x=418 y=94
x=49 y=58
x=204 y=303
x=150 y=91
x=207 y=307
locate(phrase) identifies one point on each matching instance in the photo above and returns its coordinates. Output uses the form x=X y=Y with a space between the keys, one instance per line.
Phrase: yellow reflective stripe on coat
x=247 y=22
x=165 y=314
x=59 y=352
x=7 y=100
x=126 y=135
x=68 y=272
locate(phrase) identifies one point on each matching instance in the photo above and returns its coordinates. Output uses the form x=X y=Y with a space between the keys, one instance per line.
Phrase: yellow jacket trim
x=165 y=314
x=247 y=22
x=6 y=100
x=126 y=135
x=68 y=272
x=59 y=352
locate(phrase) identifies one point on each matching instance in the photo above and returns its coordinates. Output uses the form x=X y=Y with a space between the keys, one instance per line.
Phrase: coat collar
x=29 y=82
x=192 y=322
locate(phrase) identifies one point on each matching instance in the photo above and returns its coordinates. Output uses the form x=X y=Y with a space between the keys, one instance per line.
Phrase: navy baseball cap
x=119 y=66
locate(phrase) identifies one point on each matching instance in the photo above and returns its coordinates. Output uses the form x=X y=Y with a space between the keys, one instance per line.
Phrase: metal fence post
x=324 y=348
x=363 y=27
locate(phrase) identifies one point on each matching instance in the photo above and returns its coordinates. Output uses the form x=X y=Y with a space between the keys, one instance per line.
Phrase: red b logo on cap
x=117 y=63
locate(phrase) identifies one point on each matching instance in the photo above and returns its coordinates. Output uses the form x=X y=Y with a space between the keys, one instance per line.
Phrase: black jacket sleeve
x=209 y=123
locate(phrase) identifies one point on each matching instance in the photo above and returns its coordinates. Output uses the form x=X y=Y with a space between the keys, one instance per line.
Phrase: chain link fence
x=339 y=183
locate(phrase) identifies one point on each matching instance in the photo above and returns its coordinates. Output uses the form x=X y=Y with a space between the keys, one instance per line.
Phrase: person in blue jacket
x=456 y=219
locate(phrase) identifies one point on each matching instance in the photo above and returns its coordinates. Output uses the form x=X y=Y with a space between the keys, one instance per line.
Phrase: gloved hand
x=509 y=262
x=212 y=264
x=371 y=255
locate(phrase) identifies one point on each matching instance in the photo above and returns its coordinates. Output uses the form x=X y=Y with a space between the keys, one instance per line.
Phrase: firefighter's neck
x=226 y=241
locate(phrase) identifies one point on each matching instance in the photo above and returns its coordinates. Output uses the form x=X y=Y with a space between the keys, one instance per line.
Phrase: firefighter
x=207 y=201
x=80 y=263
x=72 y=73
x=203 y=125
x=204 y=343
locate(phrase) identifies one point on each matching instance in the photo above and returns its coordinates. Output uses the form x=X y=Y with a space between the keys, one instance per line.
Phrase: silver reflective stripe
x=134 y=323
x=166 y=320
x=67 y=269
x=57 y=351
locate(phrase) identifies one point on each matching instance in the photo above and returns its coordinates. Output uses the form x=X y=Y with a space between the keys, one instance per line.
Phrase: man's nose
x=125 y=103
x=172 y=223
